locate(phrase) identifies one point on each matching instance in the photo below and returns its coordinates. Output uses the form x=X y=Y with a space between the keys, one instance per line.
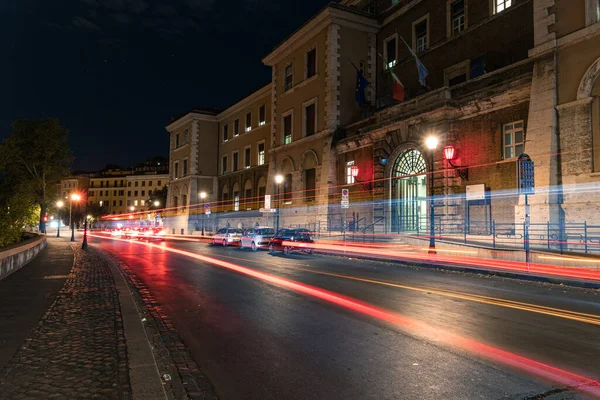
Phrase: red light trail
x=530 y=366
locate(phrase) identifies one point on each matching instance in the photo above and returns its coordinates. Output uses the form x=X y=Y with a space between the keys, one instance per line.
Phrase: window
x=128 y=184
x=135 y=202
x=91 y=194
x=176 y=171
x=114 y=203
x=121 y=183
x=501 y=5
x=310 y=181
x=311 y=63
x=420 y=35
x=261 y=154
x=390 y=51
x=142 y=202
x=457 y=16
x=287 y=129
x=114 y=192
x=247 y=157
x=135 y=193
x=262 y=115
x=513 y=139
x=100 y=202
x=177 y=140
x=149 y=183
x=234 y=161
x=236 y=127
x=128 y=203
x=183 y=172
x=236 y=201
x=101 y=193
x=224 y=165
x=248 y=122
x=143 y=183
x=457 y=73
x=120 y=202
x=129 y=193
x=136 y=182
x=158 y=183
x=143 y=193
x=310 y=120
x=287 y=187
x=288 y=80
x=349 y=177
x=248 y=196
x=225 y=133
x=121 y=192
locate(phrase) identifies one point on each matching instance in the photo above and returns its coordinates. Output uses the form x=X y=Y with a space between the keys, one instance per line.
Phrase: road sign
x=268 y=201
x=267 y=210
x=207 y=209
x=525 y=175
x=345 y=194
x=345 y=204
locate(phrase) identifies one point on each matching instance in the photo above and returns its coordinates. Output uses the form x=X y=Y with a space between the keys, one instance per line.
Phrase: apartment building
x=140 y=189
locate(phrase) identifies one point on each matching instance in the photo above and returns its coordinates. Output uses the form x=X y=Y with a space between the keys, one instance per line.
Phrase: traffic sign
x=268 y=201
x=207 y=209
x=345 y=194
x=267 y=210
x=345 y=204
x=525 y=175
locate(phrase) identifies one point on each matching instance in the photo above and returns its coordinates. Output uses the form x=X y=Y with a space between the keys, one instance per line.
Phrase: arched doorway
x=409 y=192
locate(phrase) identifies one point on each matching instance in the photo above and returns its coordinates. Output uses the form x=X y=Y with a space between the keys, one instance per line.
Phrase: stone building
x=504 y=78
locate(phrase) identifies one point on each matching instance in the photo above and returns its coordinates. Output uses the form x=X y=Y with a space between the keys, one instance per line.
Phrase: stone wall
x=14 y=257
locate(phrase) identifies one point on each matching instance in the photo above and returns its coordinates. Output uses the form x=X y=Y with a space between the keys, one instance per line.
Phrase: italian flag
x=398 y=93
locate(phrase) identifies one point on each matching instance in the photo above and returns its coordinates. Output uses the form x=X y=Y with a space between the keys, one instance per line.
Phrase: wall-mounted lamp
x=449 y=155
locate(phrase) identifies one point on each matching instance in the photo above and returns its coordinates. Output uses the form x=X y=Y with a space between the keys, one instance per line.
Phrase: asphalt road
x=257 y=340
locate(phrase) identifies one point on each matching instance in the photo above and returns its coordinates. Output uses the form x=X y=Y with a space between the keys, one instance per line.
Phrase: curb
x=502 y=273
x=178 y=371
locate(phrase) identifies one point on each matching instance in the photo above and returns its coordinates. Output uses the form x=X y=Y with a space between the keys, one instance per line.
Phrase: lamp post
x=156 y=204
x=74 y=197
x=203 y=197
x=278 y=181
x=59 y=205
x=84 y=244
x=431 y=143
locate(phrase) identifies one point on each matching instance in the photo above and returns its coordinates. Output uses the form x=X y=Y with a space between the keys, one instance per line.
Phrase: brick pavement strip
x=78 y=348
x=171 y=355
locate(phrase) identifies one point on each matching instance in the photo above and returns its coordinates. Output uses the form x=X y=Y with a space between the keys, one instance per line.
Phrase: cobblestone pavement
x=78 y=348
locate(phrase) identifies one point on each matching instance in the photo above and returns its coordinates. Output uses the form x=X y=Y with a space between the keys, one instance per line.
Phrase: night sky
x=115 y=71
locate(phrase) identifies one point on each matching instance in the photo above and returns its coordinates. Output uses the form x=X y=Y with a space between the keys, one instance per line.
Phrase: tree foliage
x=18 y=210
x=36 y=156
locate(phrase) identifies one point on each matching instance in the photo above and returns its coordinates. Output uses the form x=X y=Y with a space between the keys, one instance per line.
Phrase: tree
x=159 y=195
x=17 y=210
x=36 y=155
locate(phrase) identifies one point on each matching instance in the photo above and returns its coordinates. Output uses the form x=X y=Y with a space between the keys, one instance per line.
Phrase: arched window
x=409 y=192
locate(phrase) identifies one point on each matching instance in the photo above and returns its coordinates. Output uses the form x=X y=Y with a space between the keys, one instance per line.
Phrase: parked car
x=227 y=236
x=300 y=237
x=256 y=238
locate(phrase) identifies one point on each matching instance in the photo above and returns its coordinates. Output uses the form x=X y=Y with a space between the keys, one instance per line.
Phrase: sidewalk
x=77 y=349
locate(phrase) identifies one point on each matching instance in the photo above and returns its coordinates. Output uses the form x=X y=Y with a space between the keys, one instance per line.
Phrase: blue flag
x=420 y=66
x=361 y=85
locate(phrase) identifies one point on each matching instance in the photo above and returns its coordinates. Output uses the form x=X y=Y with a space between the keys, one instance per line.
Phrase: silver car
x=227 y=236
x=256 y=238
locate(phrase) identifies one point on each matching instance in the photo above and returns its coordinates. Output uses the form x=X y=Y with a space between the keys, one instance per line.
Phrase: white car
x=227 y=236
x=255 y=238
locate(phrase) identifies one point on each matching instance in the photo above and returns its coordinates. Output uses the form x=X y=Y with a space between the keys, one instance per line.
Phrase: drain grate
x=56 y=276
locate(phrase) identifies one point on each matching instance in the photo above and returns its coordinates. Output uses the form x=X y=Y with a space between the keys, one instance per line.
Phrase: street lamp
x=156 y=203
x=74 y=197
x=203 y=197
x=59 y=205
x=431 y=142
x=278 y=181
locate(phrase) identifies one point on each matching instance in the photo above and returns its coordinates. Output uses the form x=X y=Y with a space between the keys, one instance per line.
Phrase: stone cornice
x=576 y=103
x=329 y=15
x=189 y=117
x=245 y=102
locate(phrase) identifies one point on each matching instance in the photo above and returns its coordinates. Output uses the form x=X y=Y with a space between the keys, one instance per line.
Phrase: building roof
x=206 y=111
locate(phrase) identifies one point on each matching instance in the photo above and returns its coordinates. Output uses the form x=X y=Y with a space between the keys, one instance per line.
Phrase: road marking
x=555 y=312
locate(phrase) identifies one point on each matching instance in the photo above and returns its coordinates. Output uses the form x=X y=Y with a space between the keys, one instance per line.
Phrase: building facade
x=503 y=78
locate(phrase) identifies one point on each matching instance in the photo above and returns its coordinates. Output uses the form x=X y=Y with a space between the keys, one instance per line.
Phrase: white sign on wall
x=476 y=192
x=267 y=201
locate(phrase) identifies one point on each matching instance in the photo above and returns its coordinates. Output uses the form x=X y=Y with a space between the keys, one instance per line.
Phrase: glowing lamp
x=354 y=171
x=449 y=153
